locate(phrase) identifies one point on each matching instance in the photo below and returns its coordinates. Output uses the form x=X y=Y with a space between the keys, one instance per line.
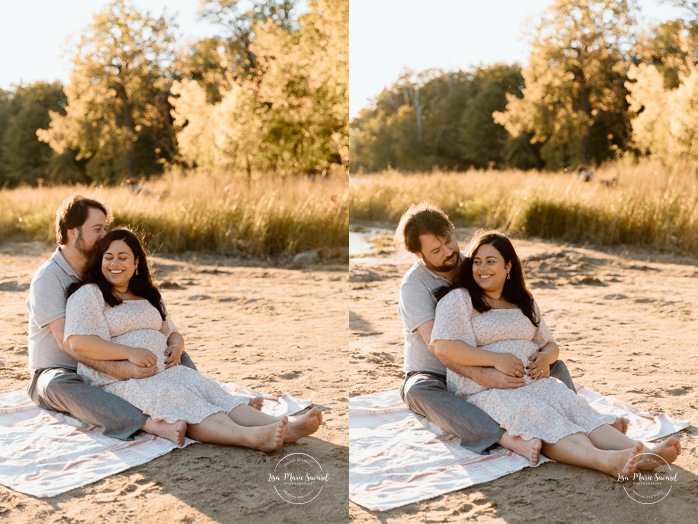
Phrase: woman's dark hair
x=141 y=284
x=515 y=290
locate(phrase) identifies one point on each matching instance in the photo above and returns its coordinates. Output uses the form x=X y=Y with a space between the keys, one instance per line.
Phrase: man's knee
x=421 y=392
x=559 y=370
x=54 y=387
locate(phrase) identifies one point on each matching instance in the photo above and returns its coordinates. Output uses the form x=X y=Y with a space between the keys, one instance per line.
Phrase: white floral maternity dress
x=176 y=393
x=543 y=408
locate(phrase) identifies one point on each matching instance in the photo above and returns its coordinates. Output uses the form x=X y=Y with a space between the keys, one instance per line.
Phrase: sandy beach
x=274 y=329
x=627 y=325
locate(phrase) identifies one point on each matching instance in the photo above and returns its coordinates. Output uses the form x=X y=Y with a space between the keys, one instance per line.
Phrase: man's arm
x=487 y=377
x=119 y=369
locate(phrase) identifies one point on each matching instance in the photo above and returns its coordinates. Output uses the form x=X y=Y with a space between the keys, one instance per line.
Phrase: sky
x=388 y=36
x=34 y=33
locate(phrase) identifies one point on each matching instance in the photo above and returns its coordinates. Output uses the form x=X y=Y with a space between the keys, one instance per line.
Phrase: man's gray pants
x=63 y=390
x=426 y=394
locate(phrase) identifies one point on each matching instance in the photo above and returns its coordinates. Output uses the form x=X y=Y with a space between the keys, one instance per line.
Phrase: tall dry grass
x=202 y=211
x=651 y=205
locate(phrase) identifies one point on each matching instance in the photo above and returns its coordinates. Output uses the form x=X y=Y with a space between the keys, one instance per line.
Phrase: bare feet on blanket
x=174 y=431
x=622 y=462
x=257 y=403
x=668 y=449
x=266 y=438
x=303 y=425
x=621 y=424
x=529 y=449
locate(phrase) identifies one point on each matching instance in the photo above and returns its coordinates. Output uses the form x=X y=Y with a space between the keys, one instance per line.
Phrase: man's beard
x=445 y=267
x=82 y=248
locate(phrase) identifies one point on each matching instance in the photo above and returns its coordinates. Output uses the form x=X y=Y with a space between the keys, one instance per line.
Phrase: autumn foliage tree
x=574 y=103
x=117 y=119
x=283 y=109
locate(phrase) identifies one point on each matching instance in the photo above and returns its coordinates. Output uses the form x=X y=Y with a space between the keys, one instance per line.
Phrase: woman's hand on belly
x=142 y=357
x=509 y=364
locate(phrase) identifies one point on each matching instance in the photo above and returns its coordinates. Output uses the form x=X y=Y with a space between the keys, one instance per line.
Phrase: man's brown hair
x=421 y=219
x=73 y=213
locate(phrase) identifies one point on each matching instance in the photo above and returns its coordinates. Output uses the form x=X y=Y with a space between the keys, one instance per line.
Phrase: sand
x=627 y=324
x=271 y=328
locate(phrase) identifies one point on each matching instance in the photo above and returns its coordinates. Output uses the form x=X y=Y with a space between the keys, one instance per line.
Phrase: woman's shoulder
x=457 y=296
x=87 y=292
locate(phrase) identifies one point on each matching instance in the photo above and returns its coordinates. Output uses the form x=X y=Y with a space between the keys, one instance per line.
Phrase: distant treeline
x=269 y=94
x=596 y=88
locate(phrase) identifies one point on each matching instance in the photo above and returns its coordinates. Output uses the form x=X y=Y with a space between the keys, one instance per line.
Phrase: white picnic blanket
x=397 y=457
x=44 y=453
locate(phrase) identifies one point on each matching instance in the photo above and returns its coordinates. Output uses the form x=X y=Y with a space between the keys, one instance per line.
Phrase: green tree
x=117 y=116
x=574 y=97
x=24 y=158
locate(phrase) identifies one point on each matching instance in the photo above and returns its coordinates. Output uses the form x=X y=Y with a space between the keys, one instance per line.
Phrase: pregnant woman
x=489 y=318
x=117 y=313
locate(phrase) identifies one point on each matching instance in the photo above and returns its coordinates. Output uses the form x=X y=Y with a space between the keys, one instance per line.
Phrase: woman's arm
x=96 y=348
x=464 y=354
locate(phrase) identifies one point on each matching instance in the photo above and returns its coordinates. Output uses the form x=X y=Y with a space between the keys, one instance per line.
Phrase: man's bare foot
x=257 y=403
x=303 y=425
x=621 y=424
x=529 y=449
x=267 y=438
x=174 y=431
x=623 y=462
x=668 y=449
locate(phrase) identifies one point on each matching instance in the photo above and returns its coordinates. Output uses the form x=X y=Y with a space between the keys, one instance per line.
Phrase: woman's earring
x=508 y=275
x=137 y=272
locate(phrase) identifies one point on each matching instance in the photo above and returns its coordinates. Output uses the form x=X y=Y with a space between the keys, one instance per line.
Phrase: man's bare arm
x=119 y=369
x=487 y=377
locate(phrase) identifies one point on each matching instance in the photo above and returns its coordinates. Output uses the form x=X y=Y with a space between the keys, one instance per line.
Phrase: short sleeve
x=453 y=318
x=84 y=313
x=46 y=299
x=542 y=336
x=416 y=305
x=168 y=326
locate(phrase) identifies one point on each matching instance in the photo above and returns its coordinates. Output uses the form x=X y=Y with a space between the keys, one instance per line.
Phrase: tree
x=117 y=116
x=23 y=158
x=574 y=83
x=238 y=20
x=437 y=119
x=289 y=114
x=665 y=123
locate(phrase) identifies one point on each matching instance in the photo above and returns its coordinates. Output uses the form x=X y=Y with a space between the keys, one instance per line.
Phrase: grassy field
x=202 y=211
x=651 y=205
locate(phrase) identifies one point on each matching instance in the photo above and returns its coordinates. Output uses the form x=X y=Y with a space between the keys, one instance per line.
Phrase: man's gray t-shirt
x=46 y=303
x=417 y=305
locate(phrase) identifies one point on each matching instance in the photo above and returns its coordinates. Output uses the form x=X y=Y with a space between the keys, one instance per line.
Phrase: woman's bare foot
x=174 y=431
x=668 y=449
x=303 y=425
x=529 y=449
x=621 y=424
x=266 y=438
x=623 y=462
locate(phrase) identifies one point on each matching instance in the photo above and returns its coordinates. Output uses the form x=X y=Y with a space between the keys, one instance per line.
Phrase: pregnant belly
x=149 y=339
x=519 y=348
